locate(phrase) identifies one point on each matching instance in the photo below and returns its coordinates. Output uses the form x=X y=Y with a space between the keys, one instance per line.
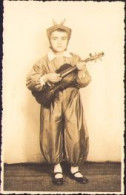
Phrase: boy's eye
x=64 y=38
x=54 y=38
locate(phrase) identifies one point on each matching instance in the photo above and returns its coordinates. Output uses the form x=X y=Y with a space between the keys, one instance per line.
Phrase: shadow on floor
x=103 y=177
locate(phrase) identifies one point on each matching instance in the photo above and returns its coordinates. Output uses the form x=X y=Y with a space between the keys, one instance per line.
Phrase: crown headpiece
x=58 y=26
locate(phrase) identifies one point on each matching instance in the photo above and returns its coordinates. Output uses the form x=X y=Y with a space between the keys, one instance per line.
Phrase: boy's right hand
x=52 y=77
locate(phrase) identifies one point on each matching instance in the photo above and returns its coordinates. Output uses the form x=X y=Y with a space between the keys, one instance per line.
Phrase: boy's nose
x=59 y=41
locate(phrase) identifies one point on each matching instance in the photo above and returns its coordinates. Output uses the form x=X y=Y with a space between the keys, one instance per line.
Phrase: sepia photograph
x=63 y=97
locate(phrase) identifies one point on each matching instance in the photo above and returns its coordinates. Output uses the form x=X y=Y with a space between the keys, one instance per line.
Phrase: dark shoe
x=57 y=181
x=82 y=180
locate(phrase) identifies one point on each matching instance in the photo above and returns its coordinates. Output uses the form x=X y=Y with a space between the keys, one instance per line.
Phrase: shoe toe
x=82 y=180
x=58 y=181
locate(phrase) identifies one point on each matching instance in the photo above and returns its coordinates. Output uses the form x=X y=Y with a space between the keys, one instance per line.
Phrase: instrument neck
x=69 y=70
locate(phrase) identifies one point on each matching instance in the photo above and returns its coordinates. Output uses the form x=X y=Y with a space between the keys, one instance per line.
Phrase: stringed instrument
x=68 y=74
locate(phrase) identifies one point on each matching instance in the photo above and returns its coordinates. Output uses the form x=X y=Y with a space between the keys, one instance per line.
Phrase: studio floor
x=103 y=177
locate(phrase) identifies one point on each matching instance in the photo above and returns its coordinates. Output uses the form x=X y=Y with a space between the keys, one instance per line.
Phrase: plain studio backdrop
x=96 y=27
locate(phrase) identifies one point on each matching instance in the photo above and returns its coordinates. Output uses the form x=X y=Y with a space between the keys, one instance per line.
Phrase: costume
x=62 y=126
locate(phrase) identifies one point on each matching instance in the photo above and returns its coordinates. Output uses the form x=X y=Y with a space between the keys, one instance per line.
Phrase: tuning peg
x=102 y=53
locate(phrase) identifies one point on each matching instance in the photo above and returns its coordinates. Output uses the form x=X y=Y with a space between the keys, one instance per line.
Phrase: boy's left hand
x=80 y=65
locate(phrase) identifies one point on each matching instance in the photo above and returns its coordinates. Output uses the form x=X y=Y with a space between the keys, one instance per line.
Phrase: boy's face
x=59 y=41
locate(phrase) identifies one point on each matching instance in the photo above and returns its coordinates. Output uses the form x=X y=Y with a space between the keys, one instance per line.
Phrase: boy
x=62 y=125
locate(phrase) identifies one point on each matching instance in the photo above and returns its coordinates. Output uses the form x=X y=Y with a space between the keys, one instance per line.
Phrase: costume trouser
x=63 y=128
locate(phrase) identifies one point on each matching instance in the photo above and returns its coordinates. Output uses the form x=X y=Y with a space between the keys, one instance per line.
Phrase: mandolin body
x=49 y=93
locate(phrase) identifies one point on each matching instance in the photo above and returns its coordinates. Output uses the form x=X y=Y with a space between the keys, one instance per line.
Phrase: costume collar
x=51 y=54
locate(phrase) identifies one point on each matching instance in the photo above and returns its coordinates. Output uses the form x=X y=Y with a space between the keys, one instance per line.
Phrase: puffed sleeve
x=83 y=78
x=33 y=81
